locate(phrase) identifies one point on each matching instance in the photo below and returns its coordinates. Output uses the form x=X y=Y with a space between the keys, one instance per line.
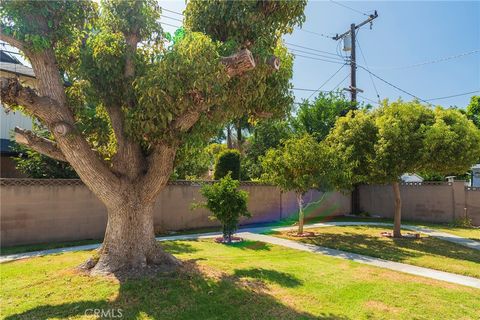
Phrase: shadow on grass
x=391 y=249
x=176 y=247
x=190 y=293
x=250 y=245
x=281 y=278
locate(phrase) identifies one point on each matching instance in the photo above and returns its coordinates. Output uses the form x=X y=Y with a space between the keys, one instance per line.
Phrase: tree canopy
x=400 y=137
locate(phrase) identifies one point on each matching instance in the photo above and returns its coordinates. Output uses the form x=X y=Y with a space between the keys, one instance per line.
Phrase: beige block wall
x=429 y=202
x=419 y=202
x=472 y=197
x=52 y=211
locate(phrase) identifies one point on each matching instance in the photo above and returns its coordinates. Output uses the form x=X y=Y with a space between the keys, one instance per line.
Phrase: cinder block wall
x=427 y=201
x=37 y=211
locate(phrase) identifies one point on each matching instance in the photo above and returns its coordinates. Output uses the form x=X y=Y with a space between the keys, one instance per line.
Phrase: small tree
x=400 y=137
x=228 y=161
x=226 y=203
x=299 y=165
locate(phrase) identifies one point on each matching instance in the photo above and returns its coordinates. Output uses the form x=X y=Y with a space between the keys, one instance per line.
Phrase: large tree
x=156 y=95
x=397 y=138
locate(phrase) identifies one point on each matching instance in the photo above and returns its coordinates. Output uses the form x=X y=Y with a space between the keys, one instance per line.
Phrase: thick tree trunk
x=300 y=213
x=129 y=244
x=397 y=220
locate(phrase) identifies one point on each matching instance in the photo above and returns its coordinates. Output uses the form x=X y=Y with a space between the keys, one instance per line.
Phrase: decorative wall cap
x=426 y=183
x=39 y=182
x=78 y=182
x=472 y=188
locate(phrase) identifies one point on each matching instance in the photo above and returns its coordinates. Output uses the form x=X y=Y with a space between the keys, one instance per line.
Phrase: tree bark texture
x=397 y=219
x=129 y=242
x=300 y=213
x=239 y=62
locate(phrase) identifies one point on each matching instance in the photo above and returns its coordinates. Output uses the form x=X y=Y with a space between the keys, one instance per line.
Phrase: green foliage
x=238 y=23
x=194 y=160
x=190 y=74
x=37 y=166
x=400 y=141
x=226 y=203
x=45 y=24
x=399 y=137
x=453 y=141
x=299 y=165
x=267 y=134
x=228 y=163
x=318 y=117
x=351 y=145
x=473 y=110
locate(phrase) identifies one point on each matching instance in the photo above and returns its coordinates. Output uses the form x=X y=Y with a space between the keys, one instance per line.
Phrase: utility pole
x=353 y=68
x=355 y=196
x=353 y=62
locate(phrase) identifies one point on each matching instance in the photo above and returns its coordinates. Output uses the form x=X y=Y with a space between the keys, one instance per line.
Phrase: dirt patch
x=305 y=234
x=380 y=306
x=408 y=235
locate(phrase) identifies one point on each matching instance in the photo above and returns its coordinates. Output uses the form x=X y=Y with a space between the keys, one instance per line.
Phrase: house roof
x=17 y=69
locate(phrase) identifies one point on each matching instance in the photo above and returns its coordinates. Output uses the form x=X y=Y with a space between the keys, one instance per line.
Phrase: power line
x=366 y=64
x=170 y=25
x=171 y=11
x=316 y=33
x=350 y=8
x=371 y=100
x=323 y=84
x=312 y=49
x=338 y=85
x=318 y=59
x=430 y=61
x=175 y=19
x=392 y=85
x=316 y=54
x=454 y=95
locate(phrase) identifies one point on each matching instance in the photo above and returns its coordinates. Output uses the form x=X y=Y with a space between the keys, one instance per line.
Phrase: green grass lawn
x=246 y=281
x=425 y=252
x=470 y=233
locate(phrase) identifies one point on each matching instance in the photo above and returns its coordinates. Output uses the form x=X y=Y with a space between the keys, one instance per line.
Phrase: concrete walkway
x=254 y=234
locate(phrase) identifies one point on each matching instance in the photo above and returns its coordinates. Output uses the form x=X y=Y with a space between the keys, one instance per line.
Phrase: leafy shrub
x=463 y=222
x=226 y=203
x=227 y=161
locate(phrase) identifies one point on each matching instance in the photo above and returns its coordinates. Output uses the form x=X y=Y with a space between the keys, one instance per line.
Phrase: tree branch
x=239 y=63
x=11 y=40
x=129 y=159
x=160 y=167
x=42 y=145
x=13 y=93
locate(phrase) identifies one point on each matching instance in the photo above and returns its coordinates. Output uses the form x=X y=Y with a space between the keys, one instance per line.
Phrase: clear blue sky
x=404 y=34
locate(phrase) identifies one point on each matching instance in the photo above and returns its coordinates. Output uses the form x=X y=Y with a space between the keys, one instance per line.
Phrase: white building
x=11 y=67
x=411 y=177
x=475 y=182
